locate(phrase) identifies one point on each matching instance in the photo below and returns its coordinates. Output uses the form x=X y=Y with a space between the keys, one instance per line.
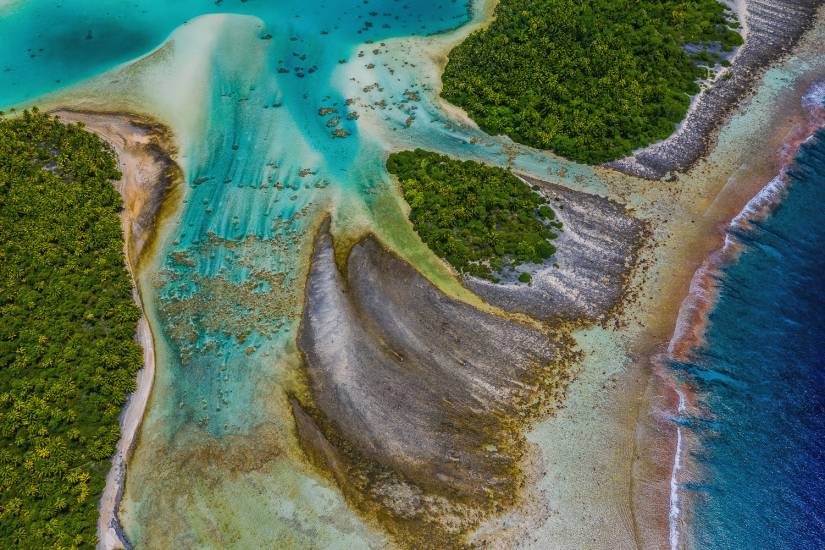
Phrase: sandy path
x=143 y=150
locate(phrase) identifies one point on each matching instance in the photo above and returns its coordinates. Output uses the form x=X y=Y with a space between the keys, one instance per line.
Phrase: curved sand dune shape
x=429 y=390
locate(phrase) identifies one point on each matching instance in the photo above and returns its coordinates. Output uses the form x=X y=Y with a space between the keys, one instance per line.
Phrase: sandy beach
x=144 y=151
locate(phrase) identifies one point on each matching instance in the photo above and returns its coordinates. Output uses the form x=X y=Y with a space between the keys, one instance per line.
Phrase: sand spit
x=418 y=401
x=587 y=276
x=773 y=28
x=143 y=150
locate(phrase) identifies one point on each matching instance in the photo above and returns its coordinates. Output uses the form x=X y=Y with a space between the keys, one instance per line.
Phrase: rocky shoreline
x=748 y=182
x=773 y=28
x=587 y=276
x=692 y=322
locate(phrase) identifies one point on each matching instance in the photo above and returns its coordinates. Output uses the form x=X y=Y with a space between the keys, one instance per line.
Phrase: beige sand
x=142 y=148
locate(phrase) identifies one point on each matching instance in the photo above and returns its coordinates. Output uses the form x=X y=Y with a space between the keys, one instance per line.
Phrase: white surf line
x=673 y=512
x=757 y=208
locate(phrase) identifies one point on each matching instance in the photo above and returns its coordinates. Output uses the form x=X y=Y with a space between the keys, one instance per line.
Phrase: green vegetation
x=590 y=80
x=67 y=355
x=479 y=218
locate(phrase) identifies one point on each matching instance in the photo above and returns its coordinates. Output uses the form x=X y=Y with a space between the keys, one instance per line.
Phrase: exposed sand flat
x=143 y=150
x=772 y=29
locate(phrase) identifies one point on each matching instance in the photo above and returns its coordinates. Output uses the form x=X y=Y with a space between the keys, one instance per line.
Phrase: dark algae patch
x=67 y=355
x=591 y=81
x=482 y=219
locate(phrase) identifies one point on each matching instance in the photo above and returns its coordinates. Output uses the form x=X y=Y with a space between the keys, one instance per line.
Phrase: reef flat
x=740 y=172
x=587 y=276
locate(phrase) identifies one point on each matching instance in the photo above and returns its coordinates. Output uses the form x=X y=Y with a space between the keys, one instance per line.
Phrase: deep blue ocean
x=761 y=381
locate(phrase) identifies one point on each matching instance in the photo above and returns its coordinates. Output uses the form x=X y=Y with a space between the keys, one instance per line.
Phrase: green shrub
x=591 y=80
x=482 y=219
x=67 y=355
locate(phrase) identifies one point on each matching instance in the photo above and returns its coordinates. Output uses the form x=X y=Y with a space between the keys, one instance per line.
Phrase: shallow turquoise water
x=261 y=166
x=268 y=82
x=48 y=43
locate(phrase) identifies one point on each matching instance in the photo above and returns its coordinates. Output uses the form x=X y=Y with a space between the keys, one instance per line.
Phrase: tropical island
x=67 y=352
x=336 y=349
x=482 y=219
x=591 y=81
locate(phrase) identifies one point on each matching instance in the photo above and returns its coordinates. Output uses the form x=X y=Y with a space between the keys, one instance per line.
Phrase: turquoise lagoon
x=253 y=91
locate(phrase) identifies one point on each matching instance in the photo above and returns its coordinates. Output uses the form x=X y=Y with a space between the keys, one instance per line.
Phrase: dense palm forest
x=591 y=80
x=67 y=355
x=481 y=219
